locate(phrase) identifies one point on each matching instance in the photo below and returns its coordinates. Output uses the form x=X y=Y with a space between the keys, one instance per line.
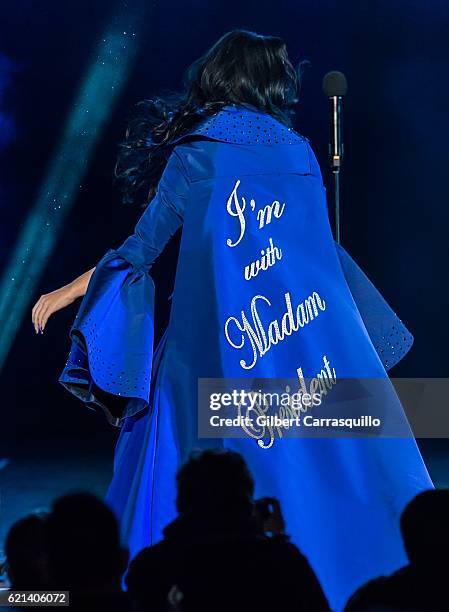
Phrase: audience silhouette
x=26 y=554
x=422 y=584
x=84 y=553
x=216 y=555
x=224 y=551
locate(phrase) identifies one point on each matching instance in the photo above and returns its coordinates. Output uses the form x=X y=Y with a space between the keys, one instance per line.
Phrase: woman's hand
x=59 y=299
x=49 y=304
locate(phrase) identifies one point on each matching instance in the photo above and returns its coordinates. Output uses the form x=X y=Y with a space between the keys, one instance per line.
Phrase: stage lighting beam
x=94 y=102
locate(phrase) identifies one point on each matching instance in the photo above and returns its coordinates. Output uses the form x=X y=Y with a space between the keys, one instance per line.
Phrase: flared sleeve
x=110 y=361
x=389 y=336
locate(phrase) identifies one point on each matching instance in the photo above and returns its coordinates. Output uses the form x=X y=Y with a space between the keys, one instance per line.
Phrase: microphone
x=335 y=87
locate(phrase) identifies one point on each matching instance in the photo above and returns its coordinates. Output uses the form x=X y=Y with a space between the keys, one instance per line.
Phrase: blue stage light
x=98 y=92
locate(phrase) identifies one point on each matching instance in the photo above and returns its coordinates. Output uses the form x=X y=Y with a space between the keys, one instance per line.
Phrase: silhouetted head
x=26 y=554
x=215 y=482
x=425 y=528
x=242 y=68
x=83 y=544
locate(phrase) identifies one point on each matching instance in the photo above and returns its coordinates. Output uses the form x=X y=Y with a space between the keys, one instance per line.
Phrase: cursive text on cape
x=261 y=338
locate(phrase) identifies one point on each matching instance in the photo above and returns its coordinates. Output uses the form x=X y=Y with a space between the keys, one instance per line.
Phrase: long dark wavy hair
x=242 y=68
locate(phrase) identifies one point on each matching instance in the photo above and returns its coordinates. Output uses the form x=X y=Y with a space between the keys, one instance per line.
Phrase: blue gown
x=240 y=184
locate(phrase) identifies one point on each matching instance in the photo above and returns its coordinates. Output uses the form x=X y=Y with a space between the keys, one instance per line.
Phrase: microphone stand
x=337 y=205
x=336 y=158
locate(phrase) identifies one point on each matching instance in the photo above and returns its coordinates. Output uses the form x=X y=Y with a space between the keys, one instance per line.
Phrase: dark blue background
x=395 y=186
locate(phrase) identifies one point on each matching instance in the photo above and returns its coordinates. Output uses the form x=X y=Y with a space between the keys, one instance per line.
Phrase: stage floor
x=39 y=471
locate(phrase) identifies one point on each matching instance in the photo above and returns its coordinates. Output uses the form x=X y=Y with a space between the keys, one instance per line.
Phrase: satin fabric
x=341 y=497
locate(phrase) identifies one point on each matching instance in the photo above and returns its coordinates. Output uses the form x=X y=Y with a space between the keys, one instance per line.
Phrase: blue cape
x=261 y=290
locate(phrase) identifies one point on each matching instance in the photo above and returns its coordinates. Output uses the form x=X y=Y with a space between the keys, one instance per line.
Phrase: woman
x=261 y=291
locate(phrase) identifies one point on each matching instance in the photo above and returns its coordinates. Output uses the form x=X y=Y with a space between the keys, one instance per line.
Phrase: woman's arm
x=158 y=223
x=113 y=334
x=60 y=298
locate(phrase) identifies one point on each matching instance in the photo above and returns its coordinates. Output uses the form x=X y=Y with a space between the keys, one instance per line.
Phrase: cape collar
x=241 y=125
